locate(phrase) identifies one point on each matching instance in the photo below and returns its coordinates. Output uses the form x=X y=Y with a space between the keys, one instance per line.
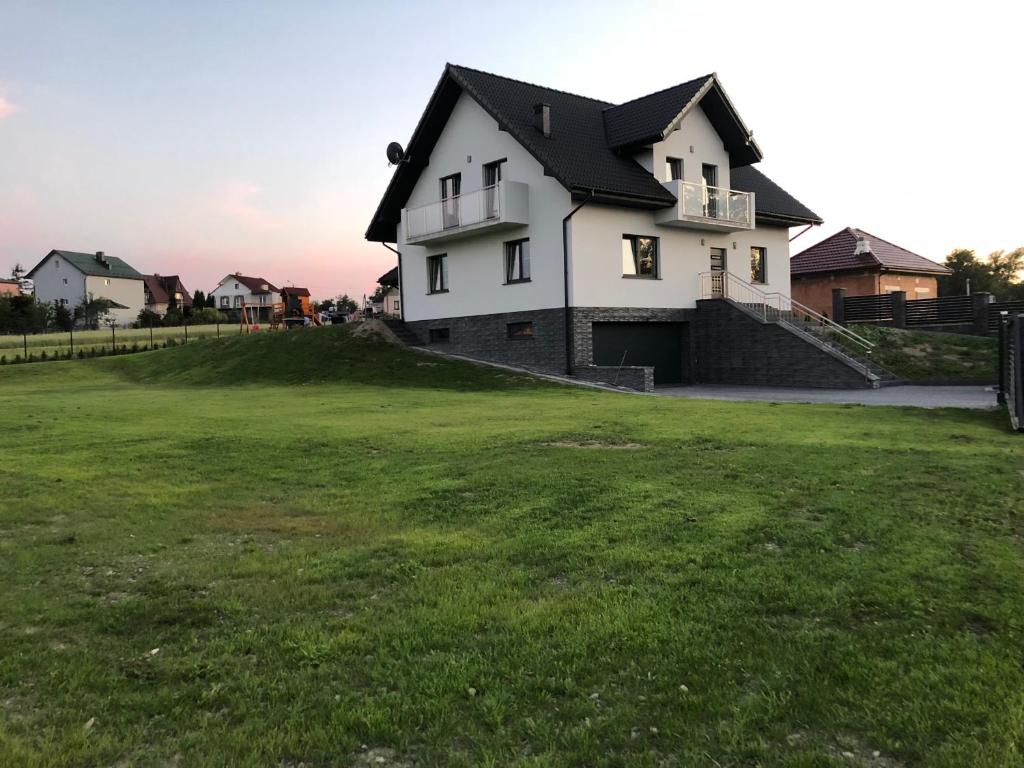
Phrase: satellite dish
x=395 y=153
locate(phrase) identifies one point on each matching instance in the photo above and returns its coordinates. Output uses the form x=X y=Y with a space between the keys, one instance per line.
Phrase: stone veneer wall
x=735 y=348
x=638 y=377
x=583 y=317
x=486 y=337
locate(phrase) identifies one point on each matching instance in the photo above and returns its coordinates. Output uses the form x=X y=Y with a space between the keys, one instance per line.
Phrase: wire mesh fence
x=42 y=346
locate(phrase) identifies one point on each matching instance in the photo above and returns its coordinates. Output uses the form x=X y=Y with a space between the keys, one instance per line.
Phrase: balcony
x=714 y=209
x=490 y=209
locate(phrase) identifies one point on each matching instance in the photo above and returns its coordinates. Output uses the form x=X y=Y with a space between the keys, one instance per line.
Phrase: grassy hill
x=311 y=548
x=926 y=356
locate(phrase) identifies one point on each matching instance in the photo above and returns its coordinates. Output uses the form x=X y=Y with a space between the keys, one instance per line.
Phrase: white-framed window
x=225 y=302
x=238 y=302
x=397 y=304
x=758 y=264
x=640 y=257
x=437 y=273
x=236 y=286
x=673 y=168
x=517 y=261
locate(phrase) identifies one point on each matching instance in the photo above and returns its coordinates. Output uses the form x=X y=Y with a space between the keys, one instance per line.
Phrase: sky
x=202 y=138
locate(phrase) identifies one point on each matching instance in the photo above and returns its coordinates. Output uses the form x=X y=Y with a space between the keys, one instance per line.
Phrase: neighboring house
x=10 y=288
x=391 y=294
x=558 y=232
x=863 y=264
x=71 y=278
x=296 y=301
x=237 y=289
x=165 y=291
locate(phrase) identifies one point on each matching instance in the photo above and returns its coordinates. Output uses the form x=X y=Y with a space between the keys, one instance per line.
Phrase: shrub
x=207 y=316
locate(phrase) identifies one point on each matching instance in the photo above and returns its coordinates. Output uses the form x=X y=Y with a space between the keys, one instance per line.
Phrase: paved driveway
x=907 y=395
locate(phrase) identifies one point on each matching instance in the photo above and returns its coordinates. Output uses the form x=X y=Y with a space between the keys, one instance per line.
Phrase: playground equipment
x=298 y=309
x=252 y=314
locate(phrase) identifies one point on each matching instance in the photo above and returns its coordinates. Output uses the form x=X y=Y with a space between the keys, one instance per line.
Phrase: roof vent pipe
x=542 y=119
x=863 y=246
x=101 y=257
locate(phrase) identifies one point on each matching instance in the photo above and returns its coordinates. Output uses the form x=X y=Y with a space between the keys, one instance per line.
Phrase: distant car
x=337 y=318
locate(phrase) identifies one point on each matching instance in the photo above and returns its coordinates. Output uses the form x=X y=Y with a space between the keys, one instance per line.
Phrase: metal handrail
x=772 y=307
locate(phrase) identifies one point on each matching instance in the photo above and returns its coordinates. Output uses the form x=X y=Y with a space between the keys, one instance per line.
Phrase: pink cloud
x=240 y=201
x=6 y=108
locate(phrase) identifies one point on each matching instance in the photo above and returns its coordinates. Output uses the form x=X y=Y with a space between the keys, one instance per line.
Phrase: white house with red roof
x=236 y=290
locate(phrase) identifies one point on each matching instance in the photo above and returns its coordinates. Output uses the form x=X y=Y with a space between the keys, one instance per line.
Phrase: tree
x=211 y=301
x=18 y=275
x=346 y=304
x=62 y=317
x=92 y=311
x=325 y=305
x=999 y=274
x=23 y=314
x=198 y=299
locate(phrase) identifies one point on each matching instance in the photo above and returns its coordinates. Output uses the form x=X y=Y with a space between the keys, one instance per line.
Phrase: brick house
x=863 y=264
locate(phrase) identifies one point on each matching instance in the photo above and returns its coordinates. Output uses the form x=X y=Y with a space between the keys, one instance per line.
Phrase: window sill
x=641 y=277
x=517 y=282
x=432 y=293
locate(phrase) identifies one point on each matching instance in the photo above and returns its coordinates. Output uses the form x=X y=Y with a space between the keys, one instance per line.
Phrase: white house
x=237 y=289
x=71 y=278
x=564 y=233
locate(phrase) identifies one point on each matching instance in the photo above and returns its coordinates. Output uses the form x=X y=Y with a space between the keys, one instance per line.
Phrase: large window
x=437 y=273
x=225 y=301
x=517 y=261
x=758 y=264
x=492 y=177
x=238 y=301
x=673 y=168
x=639 y=256
x=451 y=188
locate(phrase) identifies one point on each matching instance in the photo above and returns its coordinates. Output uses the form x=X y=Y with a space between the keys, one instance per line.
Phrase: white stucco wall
x=48 y=281
x=131 y=293
x=596 y=259
x=694 y=130
x=476 y=264
x=227 y=288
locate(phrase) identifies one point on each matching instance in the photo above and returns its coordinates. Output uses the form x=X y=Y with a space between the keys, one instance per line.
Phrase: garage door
x=657 y=344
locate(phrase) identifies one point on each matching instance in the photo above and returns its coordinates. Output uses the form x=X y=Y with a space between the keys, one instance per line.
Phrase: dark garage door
x=657 y=344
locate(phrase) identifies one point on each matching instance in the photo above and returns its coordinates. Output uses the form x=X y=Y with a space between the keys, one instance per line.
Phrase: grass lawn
x=921 y=355
x=13 y=345
x=313 y=549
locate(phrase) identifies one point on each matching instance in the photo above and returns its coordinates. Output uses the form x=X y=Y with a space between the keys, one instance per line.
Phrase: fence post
x=24 y=344
x=979 y=313
x=186 y=332
x=899 y=309
x=218 y=330
x=71 y=331
x=1003 y=362
x=839 y=306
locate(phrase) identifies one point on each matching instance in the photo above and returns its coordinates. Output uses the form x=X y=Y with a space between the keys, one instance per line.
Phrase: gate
x=1011 y=368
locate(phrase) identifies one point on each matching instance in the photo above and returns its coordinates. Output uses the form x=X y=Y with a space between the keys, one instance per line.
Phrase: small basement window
x=520 y=330
x=439 y=335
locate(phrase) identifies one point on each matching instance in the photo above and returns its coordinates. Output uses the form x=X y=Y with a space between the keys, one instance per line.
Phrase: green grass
x=13 y=345
x=335 y=543
x=926 y=356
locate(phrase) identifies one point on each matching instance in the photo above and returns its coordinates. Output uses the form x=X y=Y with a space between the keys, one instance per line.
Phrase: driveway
x=975 y=396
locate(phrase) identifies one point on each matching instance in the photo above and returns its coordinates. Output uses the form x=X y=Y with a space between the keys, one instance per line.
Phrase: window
x=65 y=281
x=492 y=176
x=639 y=256
x=450 y=190
x=673 y=168
x=517 y=261
x=520 y=330
x=709 y=174
x=106 y=281
x=236 y=286
x=437 y=273
x=758 y=264
x=238 y=302
x=56 y=263
x=438 y=335
x=225 y=302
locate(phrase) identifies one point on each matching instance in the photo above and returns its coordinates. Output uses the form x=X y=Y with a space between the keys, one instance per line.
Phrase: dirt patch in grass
x=592 y=444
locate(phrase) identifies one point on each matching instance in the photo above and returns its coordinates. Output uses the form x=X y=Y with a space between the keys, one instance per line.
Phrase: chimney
x=863 y=246
x=542 y=119
x=101 y=257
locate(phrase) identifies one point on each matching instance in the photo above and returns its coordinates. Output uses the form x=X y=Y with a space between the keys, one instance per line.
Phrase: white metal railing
x=453 y=212
x=774 y=307
x=700 y=201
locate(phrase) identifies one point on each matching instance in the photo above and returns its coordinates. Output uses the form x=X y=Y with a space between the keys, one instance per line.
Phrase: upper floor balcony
x=699 y=206
x=491 y=209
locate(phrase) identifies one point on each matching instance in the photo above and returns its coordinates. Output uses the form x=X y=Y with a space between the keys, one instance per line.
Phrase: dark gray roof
x=389 y=278
x=771 y=202
x=587 y=149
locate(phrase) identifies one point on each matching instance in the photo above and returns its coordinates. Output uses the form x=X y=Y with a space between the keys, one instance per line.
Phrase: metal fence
x=868 y=309
x=947 y=310
x=1011 y=367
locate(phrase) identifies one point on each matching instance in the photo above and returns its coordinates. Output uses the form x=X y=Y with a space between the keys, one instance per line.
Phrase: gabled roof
x=291 y=290
x=772 y=204
x=161 y=287
x=254 y=284
x=89 y=264
x=389 y=278
x=588 y=150
x=838 y=253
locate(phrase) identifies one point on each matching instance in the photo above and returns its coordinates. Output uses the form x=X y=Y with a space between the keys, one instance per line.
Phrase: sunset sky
x=209 y=137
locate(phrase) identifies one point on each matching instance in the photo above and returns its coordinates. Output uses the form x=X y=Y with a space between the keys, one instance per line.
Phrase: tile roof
x=586 y=151
x=254 y=284
x=160 y=288
x=837 y=253
x=389 y=278
x=292 y=290
x=770 y=200
x=88 y=264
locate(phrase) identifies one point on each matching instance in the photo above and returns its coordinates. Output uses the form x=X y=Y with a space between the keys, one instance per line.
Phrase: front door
x=450 y=189
x=718 y=272
x=709 y=174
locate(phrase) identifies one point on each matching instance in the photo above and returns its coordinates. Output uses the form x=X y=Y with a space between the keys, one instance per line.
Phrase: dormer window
x=673 y=169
